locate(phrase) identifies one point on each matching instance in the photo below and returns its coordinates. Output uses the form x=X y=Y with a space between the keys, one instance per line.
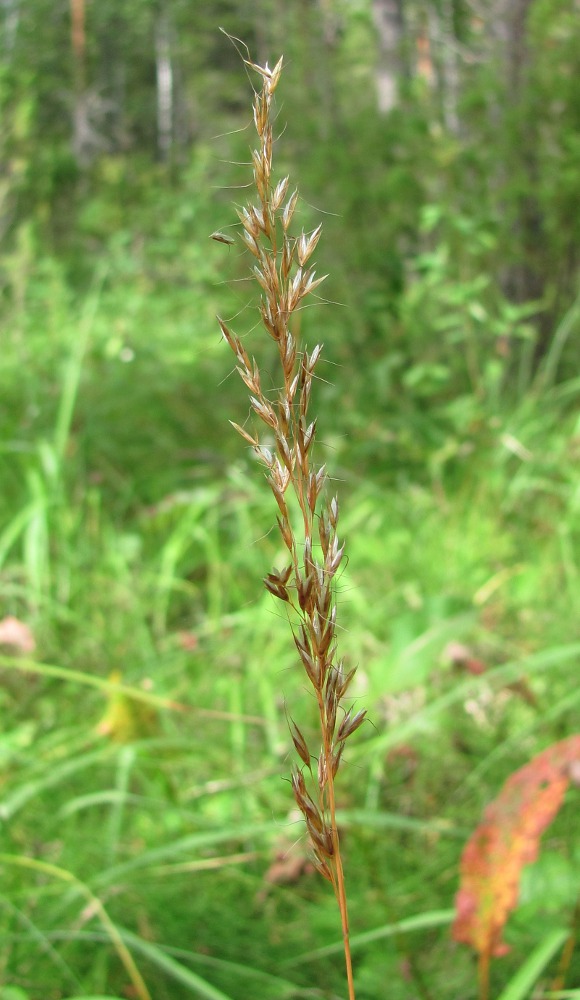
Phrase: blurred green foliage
x=134 y=531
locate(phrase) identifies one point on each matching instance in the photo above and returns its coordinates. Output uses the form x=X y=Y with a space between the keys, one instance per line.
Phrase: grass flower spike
x=307 y=517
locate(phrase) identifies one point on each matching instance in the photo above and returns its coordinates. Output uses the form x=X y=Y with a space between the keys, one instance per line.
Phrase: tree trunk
x=11 y=16
x=510 y=25
x=164 y=71
x=388 y=19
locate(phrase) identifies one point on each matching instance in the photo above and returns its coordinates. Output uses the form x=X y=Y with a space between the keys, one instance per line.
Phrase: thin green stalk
x=95 y=906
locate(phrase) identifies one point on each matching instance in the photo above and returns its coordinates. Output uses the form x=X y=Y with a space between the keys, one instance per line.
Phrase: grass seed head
x=283 y=270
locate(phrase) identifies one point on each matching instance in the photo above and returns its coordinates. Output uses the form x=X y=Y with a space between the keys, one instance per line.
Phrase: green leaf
x=519 y=986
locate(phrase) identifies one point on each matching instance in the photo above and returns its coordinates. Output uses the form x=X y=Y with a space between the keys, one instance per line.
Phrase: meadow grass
x=158 y=799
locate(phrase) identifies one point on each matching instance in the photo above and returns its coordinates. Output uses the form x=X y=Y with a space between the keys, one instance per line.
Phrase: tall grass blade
x=41 y=939
x=187 y=844
x=527 y=975
x=17 y=526
x=97 y=908
x=175 y=970
x=90 y=680
x=423 y=921
x=507 y=673
x=72 y=374
x=548 y=369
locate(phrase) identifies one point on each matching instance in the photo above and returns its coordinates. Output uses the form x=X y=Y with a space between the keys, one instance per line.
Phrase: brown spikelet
x=247 y=437
x=299 y=743
x=350 y=723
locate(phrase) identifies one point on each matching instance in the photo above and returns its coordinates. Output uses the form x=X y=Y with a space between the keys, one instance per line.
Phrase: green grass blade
x=17 y=526
x=434 y=918
x=99 y=911
x=378 y=820
x=178 y=972
x=190 y=843
x=125 y=765
x=548 y=369
x=107 y=797
x=72 y=373
x=50 y=779
x=562 y=995
x=284 y=988
x=565 y=704
x=507 y=673
x=520 y=985
x=43 y=943
x=90 y=680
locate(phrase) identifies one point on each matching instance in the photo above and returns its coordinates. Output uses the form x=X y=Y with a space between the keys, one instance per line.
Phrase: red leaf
x=506 y=840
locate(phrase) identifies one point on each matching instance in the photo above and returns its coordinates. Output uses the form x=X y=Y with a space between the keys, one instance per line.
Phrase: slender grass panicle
x=307 y=517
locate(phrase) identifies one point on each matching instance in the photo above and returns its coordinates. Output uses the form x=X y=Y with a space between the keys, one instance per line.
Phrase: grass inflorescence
x=307 y=515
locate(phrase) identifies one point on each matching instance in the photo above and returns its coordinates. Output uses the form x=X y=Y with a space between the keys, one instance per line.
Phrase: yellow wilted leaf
x=125 y=719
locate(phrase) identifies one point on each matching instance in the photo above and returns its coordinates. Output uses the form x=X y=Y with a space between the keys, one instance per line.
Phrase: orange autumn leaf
x=507 y=839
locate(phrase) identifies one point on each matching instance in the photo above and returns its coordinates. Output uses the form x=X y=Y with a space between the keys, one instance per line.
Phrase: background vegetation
x=144 y=673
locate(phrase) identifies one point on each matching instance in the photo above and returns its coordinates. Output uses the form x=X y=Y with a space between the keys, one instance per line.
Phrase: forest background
x=145 y=672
